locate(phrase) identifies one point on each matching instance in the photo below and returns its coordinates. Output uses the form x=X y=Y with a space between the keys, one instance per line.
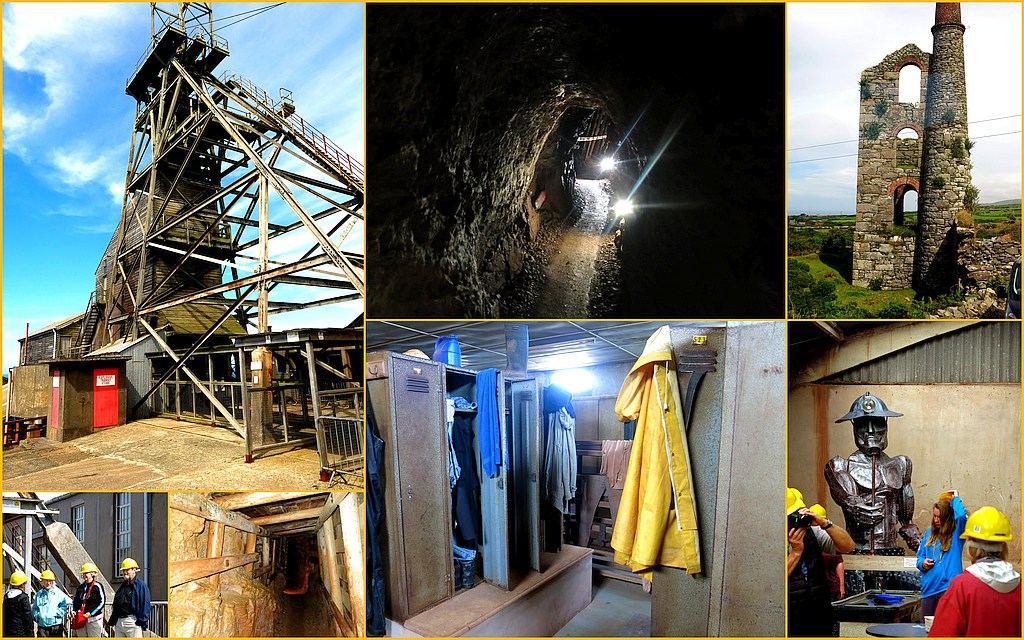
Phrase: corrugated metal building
x=957 y=385
x=52 y=342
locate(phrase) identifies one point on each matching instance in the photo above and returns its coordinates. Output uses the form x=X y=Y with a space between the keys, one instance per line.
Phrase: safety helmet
x=990 y=524
x=18 y=578
x=89 y=567
x=868 y=406
x=47 y=575
x=818 y=510
x=794 y=500
x=945 y=496
x=128 y=563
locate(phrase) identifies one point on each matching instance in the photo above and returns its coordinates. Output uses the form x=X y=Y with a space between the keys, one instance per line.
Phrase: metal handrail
x=316 y=138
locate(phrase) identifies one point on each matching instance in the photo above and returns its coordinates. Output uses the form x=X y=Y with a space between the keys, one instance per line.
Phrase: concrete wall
x=736 y=443
x=959 y=436
x=30 y=385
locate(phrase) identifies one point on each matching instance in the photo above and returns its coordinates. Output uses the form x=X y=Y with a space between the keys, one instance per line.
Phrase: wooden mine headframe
x=198 y=246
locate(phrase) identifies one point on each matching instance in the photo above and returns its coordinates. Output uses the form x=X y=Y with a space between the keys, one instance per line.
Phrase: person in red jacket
x=984 y=600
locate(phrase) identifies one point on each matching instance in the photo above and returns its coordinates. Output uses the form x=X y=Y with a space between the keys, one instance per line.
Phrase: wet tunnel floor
x=574 y=272
x=304 y=616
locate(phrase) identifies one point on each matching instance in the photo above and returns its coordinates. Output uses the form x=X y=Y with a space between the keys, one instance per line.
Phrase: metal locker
x=524 y=425
x=408 y=400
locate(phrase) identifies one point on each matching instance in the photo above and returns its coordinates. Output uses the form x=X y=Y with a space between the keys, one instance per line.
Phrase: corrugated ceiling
x=981 y=353
x=553 y=345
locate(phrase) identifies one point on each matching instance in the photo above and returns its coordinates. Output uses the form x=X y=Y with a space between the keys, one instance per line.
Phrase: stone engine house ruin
x=920 y=146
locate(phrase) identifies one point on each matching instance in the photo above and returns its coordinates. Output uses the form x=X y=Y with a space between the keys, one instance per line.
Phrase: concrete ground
x=619 y=609
x=157 y=454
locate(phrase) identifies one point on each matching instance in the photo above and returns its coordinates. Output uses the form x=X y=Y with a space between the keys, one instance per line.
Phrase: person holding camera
x=810 y=537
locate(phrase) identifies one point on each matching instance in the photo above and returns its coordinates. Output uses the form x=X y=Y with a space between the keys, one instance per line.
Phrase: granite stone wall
x=887 y=168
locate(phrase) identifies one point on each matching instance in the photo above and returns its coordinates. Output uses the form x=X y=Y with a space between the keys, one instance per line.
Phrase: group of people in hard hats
x=983 y=600
x=50 y=612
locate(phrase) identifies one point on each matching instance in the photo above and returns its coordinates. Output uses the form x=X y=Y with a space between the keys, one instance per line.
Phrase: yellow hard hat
x=47 y=575
x=128 y=563
x=18 y=578
x=818 y=510
x=945 y=496
x=990 y=524
x=89 y=567
x=794 y=500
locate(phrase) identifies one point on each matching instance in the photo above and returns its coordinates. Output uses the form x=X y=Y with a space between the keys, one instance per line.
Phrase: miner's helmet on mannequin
x=869 y=416
x=868 y=406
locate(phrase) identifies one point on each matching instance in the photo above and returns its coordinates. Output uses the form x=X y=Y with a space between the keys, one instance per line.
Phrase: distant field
x=824 y=244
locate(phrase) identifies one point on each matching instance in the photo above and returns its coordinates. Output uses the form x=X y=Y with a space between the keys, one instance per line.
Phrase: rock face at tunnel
x=461 y=104
x=235 y=604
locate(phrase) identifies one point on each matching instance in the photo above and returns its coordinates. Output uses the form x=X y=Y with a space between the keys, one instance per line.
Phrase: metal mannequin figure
x=873 y=490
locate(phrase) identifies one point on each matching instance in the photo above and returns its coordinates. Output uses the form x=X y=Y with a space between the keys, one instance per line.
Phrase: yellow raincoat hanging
x=657 y=520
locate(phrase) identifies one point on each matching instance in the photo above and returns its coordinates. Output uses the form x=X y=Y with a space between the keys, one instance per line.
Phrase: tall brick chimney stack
x=946 y=162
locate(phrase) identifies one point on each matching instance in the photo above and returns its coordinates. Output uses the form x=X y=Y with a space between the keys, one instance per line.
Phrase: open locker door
x=525 y=420
x=494 y=509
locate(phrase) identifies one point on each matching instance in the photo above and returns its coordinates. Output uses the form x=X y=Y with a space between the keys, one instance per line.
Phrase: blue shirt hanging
x=488 y=437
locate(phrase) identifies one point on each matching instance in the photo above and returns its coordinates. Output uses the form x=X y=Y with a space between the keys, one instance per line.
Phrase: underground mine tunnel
x=266 y=565
x=576 y=161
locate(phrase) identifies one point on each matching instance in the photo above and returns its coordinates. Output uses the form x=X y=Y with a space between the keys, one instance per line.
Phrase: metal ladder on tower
x=89 y=324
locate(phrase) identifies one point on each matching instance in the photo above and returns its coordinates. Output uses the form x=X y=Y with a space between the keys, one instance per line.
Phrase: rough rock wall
x=234 y=605
x=460 y=104
x=886 y=166
x=986 y=262
x=946 y=161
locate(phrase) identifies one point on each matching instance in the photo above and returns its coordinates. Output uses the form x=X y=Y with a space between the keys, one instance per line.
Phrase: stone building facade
x=917 y=146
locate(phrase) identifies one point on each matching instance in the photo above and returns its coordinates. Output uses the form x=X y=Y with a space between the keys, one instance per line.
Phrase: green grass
x=846 y=293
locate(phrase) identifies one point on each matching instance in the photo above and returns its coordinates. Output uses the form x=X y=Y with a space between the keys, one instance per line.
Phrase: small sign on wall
x=106 y=380
x=56 y=381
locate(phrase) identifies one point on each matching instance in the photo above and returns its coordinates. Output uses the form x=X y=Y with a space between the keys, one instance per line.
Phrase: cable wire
x=973 y=122
x=853 y=155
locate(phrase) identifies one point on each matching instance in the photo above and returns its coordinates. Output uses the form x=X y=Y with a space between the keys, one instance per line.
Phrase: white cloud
x=831 y=43
x=55 y=40
x=80 y=166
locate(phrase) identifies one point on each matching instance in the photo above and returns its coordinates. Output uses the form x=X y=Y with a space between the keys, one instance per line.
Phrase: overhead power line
x=853 y=155
x=829 y=144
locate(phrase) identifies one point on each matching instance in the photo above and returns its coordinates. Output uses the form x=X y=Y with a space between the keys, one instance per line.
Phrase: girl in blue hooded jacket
x=940 y=555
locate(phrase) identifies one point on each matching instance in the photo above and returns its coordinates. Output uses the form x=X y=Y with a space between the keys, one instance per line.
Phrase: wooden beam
x=347 y=630
x=352 y=549
x=197 y=505
x=832 y=329
x=215 y=547
x=243 y=500
x=184 y=571
x=288 y=516
x=328 y=509
x=880 y=563
x=293 y=528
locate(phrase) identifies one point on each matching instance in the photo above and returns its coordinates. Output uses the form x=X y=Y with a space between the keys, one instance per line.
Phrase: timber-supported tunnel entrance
x=267 y=565
x=569 y=161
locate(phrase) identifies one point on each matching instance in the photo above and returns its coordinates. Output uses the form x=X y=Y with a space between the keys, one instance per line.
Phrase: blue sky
x=831 y=43
x=67 y=125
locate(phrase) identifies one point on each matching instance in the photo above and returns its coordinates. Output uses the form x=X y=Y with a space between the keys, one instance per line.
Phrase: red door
x=104 y=398
x=55 y=400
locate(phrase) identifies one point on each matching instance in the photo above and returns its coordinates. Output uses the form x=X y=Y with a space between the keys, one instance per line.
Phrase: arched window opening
x=904 y=207
x=908 y=149
x=910 y=84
